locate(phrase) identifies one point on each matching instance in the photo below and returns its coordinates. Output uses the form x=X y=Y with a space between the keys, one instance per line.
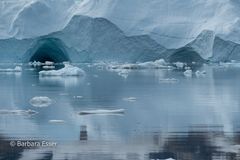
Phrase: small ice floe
x=78 y=97
x=200 y=73
x=103 y=112
x=188 y=73
x=168 y=80
x=48 y=67
x=48 y=63
x=130 y=99
x=58 y=121
x=179 y=65
x=18 y=112
x=40 y=101
x=16 y=69
x=68 y=70
x=35 y=63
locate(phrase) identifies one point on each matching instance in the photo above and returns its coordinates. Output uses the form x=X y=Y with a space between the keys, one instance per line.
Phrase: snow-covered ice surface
x=68 y=70
x=103 y=112
x=40 y=101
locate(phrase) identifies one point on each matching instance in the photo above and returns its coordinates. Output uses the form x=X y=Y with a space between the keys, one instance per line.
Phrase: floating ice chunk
x=68 y=70
x=130 y=99
x=188 y=73
x=200 y=73
x=78 y=97
x=35 y=63
x=48 y=63
x=40 y=101
x=18 y=112
x=16 y=69
x=48 y=67
x=179 y=65
x=168 y=80
x=103 y=112
x=56 y=121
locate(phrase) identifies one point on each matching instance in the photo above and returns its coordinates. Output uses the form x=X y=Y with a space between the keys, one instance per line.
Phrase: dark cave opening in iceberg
x=48 y=49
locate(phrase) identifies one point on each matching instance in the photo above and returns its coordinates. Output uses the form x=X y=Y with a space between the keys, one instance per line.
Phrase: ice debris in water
x=188 y=73
x=68 y=70
x=158 y=64
x=103 y=112
x=18 y=112
x=130 y=99
x=124 y=69
x=40 y=101
x=200 y=73
x=59 y=121
x=16 y=69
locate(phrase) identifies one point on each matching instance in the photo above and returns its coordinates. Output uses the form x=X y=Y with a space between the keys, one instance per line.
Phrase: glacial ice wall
x=172 y=23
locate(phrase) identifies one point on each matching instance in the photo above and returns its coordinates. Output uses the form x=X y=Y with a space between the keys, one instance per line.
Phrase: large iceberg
x=84 y=39
x=93 y=30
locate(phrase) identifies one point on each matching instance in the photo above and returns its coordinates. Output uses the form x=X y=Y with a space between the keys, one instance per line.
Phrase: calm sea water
x=167 y=115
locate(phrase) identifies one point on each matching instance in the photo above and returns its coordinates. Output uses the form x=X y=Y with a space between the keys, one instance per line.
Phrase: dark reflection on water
x=188 y=119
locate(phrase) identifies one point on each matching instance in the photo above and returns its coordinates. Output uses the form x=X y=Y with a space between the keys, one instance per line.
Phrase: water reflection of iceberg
x=63 y=81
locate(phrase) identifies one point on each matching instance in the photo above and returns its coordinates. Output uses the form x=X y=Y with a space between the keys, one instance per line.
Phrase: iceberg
x=40 y=101
x=103 y=112
x=68 y=70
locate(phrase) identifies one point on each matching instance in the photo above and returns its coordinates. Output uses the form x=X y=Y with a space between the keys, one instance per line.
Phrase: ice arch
x=47 y=49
